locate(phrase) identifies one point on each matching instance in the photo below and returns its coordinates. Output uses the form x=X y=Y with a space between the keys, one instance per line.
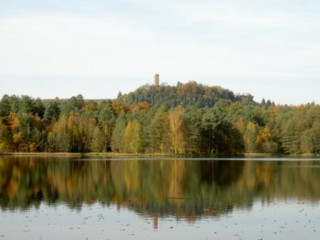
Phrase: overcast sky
x=61 y=48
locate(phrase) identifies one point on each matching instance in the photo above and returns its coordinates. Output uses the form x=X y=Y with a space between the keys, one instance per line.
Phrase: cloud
x=114 y=45
x=181 y=39
x=251 y=13
x=69 y=44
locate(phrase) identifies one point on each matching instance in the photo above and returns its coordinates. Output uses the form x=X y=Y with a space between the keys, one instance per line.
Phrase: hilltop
x=188 y=94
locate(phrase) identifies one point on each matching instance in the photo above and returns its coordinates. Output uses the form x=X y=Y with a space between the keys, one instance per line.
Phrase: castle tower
x=156 y=79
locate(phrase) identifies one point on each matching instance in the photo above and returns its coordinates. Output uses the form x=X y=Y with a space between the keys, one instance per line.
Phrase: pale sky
x=61 y=48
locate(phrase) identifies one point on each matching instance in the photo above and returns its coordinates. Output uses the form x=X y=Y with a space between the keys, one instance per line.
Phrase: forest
x=184 y=119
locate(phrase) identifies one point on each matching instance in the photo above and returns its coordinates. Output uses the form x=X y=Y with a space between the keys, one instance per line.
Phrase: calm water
x=159 y=199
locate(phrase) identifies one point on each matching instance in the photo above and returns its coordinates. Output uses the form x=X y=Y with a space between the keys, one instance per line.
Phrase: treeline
x=228 y=127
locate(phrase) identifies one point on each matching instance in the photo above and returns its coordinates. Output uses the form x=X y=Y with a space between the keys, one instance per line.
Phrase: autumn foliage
x=184 y=119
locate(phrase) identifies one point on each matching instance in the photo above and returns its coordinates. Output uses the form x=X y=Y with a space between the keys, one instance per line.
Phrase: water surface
x=159 y=198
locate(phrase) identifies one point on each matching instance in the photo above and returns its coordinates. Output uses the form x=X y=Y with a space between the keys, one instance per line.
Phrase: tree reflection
x=222 y=173
x=184 y=189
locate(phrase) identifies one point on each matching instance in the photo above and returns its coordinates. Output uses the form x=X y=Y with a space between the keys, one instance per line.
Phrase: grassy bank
x=102 y=155
x=42 y=154
x=84 y=155
x=268 y=155
x=124 y=155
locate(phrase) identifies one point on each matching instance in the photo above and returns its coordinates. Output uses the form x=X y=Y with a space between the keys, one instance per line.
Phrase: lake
x=159 y=198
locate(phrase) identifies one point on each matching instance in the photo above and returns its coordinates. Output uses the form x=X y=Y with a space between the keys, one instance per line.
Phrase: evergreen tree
x=157 y=132
x=51 y=113
x=5 y=106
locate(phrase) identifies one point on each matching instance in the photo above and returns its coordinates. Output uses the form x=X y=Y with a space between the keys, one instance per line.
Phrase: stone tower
x=156 y=79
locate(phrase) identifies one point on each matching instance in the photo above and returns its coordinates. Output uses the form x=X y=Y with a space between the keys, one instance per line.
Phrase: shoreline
x=40 y=154
x=118 y=155
x=84 y=155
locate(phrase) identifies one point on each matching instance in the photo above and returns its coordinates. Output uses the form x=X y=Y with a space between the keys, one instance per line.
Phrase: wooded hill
x=185 y=119
x=189 y=94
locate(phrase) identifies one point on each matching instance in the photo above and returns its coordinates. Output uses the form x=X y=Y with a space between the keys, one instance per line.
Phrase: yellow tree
x=97 y=142
x=13 y=121
x=176 y=130
x=13 y=125
x=132 y=137
x=250 y=137
x=118 y=107
x=141 y=106
x=264 y=141
x=58 y=138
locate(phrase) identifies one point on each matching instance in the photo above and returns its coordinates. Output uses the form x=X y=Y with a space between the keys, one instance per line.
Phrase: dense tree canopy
x=187 y=94
x=184 y=119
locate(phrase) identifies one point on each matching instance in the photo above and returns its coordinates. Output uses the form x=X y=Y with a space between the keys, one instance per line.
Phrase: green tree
x=290 y=136
x=59 y=142
x=192 y=118
x=107 y=120
x=74 y=104
x=157 y=132
x=51 y=113
x=5 y=106
x=220 y=136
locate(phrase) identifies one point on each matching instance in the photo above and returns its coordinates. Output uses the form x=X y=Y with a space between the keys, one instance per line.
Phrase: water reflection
x=184 y=189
